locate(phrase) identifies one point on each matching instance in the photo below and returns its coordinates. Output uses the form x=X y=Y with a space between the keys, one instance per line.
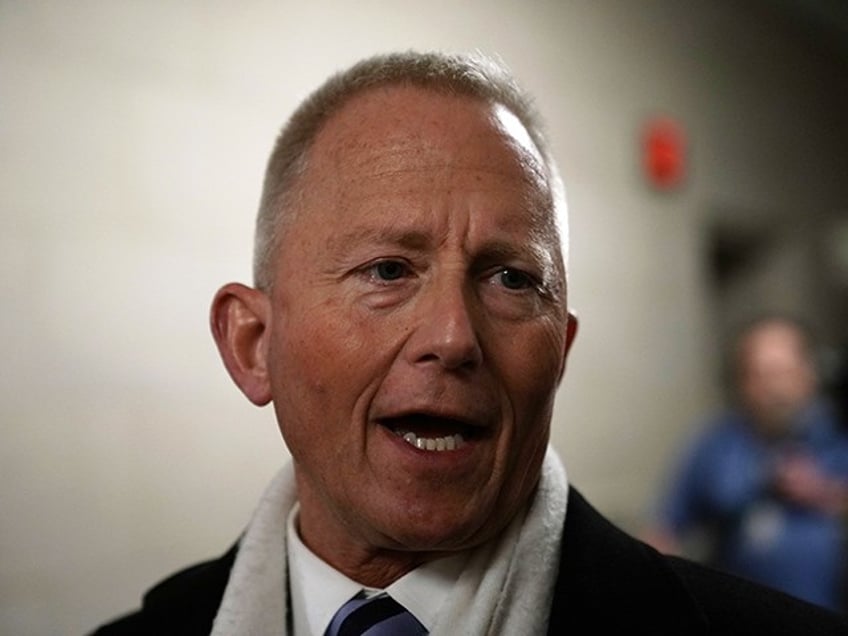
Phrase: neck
x=368 y=566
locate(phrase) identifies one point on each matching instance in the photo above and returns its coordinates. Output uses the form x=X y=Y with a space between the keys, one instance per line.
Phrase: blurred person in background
x=765 y=483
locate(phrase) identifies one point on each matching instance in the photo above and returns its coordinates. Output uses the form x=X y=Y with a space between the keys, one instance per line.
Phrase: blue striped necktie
x=379 y=615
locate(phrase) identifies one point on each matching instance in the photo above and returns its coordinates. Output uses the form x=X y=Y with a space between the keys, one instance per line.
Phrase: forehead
x=773 y=343
x=387 y=130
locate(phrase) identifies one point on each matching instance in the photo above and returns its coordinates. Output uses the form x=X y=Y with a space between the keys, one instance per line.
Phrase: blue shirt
x=724 y=484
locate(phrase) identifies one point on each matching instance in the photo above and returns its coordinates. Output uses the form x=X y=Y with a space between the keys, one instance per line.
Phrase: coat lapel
x=608 y=579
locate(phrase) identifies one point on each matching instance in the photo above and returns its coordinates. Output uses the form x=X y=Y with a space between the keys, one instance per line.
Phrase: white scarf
x=505 y=588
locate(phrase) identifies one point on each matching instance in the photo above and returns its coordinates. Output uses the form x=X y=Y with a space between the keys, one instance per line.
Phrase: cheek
x=317 y=347
x=314 y=389
x=530 y=370
x=531 y=377
x=532 y=366
x=325 y=360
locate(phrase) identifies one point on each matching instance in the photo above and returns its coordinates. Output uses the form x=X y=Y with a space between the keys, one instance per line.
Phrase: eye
x=515 y=279
x=389 y=270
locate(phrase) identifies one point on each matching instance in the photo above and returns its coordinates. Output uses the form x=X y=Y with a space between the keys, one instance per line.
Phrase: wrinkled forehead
x=374 y=123
x=384 y=130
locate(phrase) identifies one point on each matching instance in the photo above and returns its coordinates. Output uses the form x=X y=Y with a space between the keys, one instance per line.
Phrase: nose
x=445 y=332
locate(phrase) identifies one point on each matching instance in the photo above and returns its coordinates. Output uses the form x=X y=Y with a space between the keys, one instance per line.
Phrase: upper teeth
x=450 y=442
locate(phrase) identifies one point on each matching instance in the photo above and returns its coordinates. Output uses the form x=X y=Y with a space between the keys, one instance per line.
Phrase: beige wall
x=133 y=138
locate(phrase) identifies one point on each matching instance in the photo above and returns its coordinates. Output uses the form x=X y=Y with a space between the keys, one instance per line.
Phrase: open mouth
x=432 y=433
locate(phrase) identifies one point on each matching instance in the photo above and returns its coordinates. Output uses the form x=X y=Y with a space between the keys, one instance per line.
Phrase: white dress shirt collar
x=318 y=590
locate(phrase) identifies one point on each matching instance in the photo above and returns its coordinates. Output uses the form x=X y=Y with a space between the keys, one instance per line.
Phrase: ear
x=240 y=320
x=570 y=334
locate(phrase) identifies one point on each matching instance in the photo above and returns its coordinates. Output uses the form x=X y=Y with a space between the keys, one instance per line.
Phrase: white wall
x=133 y=138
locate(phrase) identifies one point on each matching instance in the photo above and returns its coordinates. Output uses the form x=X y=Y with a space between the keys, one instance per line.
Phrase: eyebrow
x=504 y=250
x=383 y=235
x=416 y=240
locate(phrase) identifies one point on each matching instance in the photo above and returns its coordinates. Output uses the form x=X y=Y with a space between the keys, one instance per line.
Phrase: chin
x=436 y=531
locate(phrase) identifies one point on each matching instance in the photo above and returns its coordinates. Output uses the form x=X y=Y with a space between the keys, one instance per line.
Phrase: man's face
x=776 y=377
x=418 y=325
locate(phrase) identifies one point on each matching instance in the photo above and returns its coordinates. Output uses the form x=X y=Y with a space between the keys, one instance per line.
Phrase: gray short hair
x=471 y=74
